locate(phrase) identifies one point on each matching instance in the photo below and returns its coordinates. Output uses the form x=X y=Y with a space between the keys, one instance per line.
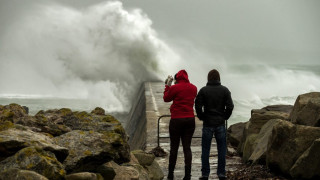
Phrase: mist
x=102 y=53
x=267 y=52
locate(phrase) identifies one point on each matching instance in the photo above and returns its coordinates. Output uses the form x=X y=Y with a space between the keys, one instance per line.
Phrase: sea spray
x=102 y=53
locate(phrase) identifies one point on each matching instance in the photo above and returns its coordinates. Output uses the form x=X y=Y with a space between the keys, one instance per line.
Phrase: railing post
x=159 y=131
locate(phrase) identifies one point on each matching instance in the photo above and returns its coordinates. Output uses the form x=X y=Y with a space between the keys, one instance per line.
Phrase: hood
x=182 y=76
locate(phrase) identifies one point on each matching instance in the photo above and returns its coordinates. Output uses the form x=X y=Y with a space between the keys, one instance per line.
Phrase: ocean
x=245 y=99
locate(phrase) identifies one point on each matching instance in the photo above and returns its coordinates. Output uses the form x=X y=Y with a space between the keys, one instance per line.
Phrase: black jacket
x=214 y=104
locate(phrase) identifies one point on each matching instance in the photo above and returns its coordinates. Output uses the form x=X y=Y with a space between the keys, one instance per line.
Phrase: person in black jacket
x=214 y=105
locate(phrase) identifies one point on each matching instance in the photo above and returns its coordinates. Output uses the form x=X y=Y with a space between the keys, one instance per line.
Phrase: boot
x=187 y=175
x=170 y=173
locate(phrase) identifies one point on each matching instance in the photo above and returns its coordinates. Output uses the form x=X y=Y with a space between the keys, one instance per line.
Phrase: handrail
x=169 y=136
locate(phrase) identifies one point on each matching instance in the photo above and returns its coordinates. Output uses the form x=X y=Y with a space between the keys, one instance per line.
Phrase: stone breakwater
x=285 y=138
x=62 y=144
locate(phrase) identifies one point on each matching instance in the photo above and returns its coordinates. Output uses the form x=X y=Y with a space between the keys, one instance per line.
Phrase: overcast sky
x=285 y=31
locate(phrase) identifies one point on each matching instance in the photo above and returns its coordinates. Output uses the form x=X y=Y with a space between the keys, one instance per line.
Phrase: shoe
x=203 y=178
x=222 y=177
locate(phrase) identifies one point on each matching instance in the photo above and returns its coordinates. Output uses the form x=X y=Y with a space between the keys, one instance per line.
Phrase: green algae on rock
x=35 y=159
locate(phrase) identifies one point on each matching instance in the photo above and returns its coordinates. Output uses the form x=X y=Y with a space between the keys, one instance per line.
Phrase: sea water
x=242 y=106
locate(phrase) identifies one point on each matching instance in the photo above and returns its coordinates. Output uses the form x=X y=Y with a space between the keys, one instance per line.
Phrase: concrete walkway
x=155 y=107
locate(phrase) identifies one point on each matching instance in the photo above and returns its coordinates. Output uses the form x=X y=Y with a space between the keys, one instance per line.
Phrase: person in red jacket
x=182 y=122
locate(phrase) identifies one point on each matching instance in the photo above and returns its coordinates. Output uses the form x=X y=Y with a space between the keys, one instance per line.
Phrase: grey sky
x=285 y=31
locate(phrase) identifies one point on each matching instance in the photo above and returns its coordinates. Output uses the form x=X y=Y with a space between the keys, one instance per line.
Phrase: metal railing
x=169 y=136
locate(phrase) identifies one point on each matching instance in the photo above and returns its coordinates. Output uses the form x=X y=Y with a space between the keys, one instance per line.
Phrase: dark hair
x=213 y=75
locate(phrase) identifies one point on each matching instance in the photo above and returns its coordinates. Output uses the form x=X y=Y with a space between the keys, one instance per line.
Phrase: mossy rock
x=6 y=125
x=98 y=111
x=19 y=174
x=145 y=159
x=89 y=149
x=35 y=159
x=84 y=176
x=11 y=112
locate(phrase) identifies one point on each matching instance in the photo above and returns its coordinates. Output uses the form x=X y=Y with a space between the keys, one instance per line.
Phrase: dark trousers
x=181 y=129
x=220 y=136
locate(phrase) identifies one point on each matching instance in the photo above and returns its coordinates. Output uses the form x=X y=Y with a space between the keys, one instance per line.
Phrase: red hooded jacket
x=182 y=94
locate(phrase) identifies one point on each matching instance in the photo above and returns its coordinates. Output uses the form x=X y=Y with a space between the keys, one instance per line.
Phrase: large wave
x=104 y=52
x=101 y=53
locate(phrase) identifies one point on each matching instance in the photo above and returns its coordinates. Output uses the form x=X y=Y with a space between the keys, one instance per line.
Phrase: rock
x=159 y=152
x=123 y=172
x=280 y=108
x=306 y=110
x=133 y=159
x=84 y=176
x=83 y=121
x=261 y=143
x=41 y=124
x=235 y=133
x=88 y=149
x=98 y=111
x=11 y=112
x=20 y=175
x=107 y=171
x=155 y=171
x=4 y=125
x=35 y=159
x=145 y=159
x=248 y=146
x=308 y=164
x=26 y=109
x=12 y=140
x=287 y=143
x=258 y=118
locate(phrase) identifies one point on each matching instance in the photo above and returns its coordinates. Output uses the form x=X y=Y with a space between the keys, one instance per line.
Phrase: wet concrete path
x=155 y=107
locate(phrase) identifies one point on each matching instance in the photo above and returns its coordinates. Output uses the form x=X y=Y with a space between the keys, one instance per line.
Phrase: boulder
x=261 y=116
x=11 y=112
x=306 y=110
x=88 y=149
x=19 y=174
x=12 y=140
x=235 y=133
x=145 y=159
x=107 y=171
x=155 y=171
x=261 y=143
x=84 y=176
x=41 y=124
x=287 y=143
x=83 y=121
x=248 y=146
x=308 y=164
x=35 y=159
x=98 y=111
x=258 y=118
x=123 y=172
x=4 y=125
x=280 y=108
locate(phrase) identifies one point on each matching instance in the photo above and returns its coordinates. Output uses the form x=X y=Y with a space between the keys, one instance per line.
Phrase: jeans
x=181 y=129
x=220 y=136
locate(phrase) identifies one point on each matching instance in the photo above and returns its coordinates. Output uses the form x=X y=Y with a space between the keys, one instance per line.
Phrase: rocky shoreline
x=62 y=144
x=284 y=139
x=278 y=142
